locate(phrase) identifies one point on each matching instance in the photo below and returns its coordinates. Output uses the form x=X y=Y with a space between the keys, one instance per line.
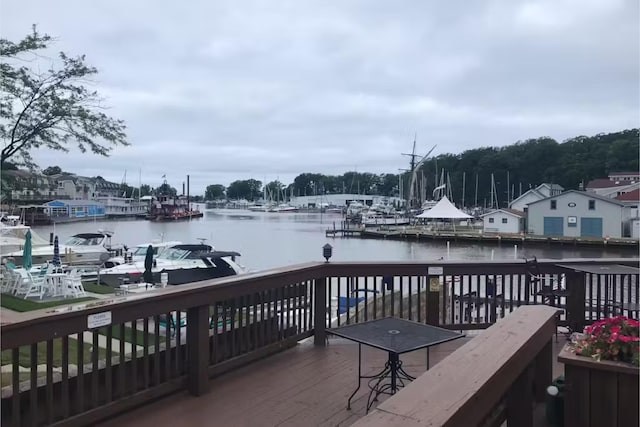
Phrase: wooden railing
x=496 y=376
x=77 y=367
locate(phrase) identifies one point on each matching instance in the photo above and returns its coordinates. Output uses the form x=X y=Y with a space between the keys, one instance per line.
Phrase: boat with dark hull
x=183 y=263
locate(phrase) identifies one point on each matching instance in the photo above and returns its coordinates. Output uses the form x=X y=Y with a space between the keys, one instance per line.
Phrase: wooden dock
x=417 y=234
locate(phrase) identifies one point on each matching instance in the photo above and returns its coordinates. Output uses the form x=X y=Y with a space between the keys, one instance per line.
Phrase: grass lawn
x=24 y=354
x=99 y=289
x=21 y=305
x=5 y=379
x=128 y=335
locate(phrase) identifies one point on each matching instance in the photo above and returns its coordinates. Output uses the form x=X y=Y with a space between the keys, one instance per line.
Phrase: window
x=554 y=204
x=504 y=220
x=592 y=205
x=491 y=220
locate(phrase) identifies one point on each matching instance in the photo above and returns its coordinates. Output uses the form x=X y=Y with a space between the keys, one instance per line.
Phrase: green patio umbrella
x=148 y=266
x=27 y=261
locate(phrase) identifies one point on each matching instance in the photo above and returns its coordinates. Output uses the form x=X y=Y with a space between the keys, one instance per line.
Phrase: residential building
x=503 y=221
x=616 y=184
x=542 y=191
x=576 y=213
x=631 y=201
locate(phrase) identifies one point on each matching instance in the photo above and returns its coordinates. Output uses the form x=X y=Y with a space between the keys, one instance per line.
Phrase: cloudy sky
x=227 y=90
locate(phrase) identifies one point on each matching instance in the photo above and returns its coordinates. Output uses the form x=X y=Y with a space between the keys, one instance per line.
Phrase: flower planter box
x=601 y=393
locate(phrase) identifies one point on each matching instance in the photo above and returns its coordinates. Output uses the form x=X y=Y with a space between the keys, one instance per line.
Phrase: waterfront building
x=616 y=184
x=67 y=210
x=503 y=221
x=542 y=191
x=576 y=213
x=324 y=200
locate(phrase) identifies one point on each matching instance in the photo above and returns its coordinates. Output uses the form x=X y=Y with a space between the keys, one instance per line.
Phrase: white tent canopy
x=444 y=209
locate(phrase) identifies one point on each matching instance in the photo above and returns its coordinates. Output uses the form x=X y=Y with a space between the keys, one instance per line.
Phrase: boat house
x=576 y=213
x=60 y=210
x=503 y=221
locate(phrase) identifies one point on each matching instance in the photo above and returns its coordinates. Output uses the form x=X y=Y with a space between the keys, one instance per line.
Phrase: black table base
x=388 y=381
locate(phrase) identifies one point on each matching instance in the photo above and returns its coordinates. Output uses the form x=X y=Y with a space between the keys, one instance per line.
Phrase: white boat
x=283 y=208
x=83 y=249
x=12 y=238
x=139 y=253
x=377 y=219
x=183 y=263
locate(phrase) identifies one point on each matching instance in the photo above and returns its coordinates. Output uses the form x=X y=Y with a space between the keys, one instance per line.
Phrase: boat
x=372 y=219
x=183 y=263
x=82 y=248
x=123 y=207
x=139 y=253
x=12 y=237
x=283 y=208
x=166 y=208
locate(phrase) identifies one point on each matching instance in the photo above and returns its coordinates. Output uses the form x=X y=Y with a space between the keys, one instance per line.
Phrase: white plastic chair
x=73 y=284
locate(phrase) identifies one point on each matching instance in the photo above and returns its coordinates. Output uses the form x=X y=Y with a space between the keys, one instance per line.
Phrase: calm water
x=268 y=240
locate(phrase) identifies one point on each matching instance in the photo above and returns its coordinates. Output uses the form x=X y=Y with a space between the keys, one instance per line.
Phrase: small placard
x=436 y=271
x=434 y=284
x=99 y=319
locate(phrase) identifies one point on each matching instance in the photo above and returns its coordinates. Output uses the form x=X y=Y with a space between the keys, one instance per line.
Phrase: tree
x=52 y=170
x=244 y=189
x=214 y=192
x=145 y=190
x=51 y=109
x=166 y=189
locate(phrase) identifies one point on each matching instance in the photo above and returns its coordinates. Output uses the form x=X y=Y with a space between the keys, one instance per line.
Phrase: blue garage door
x=553 y=225
x=590 y=227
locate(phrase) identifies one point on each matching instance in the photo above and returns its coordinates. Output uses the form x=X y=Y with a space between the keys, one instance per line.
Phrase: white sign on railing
x=436 y=271
x=99 y=319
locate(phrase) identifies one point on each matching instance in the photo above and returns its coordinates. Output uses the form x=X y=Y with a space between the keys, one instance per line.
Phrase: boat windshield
x=174 y=253
x=142 y=251
x=82 y=241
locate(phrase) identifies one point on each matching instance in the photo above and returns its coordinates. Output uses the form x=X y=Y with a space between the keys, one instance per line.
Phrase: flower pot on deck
x=599 y=393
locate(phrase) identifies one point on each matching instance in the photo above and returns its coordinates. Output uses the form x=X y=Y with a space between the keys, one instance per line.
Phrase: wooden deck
x=305 y=385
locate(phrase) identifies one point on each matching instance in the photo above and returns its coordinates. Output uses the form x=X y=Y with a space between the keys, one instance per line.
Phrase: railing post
x=432 y=316
x=320 y=311
x=576 y=301
x=519 y=401
x=198 y=349
x=543 y=371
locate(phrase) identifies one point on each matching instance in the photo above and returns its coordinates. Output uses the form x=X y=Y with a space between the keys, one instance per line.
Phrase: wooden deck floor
x=305 y=385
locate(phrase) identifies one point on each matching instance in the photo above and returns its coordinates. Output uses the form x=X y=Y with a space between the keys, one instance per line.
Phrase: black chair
x=546 y=286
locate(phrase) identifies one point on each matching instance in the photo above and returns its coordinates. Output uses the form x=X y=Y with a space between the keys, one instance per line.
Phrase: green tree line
x=515 y=169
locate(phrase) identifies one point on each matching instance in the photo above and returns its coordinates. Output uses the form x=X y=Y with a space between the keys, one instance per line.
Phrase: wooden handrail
x=465 y=387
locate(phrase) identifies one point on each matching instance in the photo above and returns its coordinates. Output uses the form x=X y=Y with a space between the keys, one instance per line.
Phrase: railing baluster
x=145 y=353
x=168 y=348
x=215 y=340
x=65 y=377
x=134 y=356
x=122 y=365
x=33 y=395
x=15 y=383
x=156 y=351
x=108 y=382
x=95 y=352
x=80 y=373
x=178 y=335
x=49 y=386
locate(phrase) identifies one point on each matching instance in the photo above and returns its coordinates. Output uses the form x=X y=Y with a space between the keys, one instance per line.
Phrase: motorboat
x=378 y=219
x=183 y=263
x=12 y=237
x=139 y=253
x=79 y=249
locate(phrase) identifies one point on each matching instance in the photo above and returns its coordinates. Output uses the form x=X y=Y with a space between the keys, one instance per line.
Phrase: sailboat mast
x=476 y=196
x=464 y=181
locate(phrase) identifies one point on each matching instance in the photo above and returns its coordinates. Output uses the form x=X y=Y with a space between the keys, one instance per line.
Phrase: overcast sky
x=226 y=90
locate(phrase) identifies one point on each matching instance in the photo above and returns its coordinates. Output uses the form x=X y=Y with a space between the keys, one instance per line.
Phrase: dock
x=423 y=234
